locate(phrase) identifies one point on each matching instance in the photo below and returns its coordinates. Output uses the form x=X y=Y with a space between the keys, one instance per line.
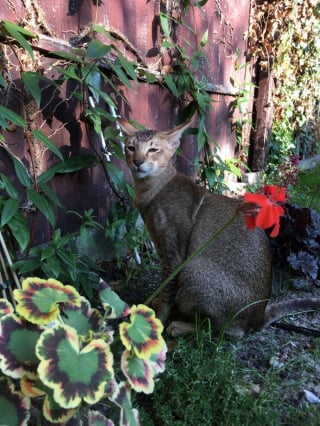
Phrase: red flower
x=269 y=212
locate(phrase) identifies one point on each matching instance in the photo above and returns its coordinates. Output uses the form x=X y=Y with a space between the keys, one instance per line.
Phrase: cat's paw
x=162 y=310
x=180 y=328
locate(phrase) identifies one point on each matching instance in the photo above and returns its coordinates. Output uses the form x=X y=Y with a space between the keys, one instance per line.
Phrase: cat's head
x=148 y=152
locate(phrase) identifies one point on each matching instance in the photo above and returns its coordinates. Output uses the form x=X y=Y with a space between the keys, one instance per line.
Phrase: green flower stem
x=192 y=256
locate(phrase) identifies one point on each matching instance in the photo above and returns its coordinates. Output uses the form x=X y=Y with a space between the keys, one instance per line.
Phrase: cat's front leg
x=164 y=303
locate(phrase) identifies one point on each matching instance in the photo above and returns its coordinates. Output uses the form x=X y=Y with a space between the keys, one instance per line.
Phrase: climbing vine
x=285 y=35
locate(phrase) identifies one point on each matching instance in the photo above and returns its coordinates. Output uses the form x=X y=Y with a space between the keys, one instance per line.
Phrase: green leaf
x=10 y=208
x=97 y=49
x=69 y=165
x=127 y=66
x=69 y=73
x=22 y=172
x=122 y=397
x=93 y=80
x=11 y=190
x=15 y=407
x=47 y=142
x=3 y=82
x=17 y=346
x=112 y=302
x=88 y=371
x=204 y=39
x=18 y=34
x=151 y=78
x=171 y=85
x=165 y=24
x=39 y=299
x=84 y=319
x=6 y=115
x=27 y=266
x=138 y=372
x=20 y=230
x=51 y=195
x=41 y=203
x=143 y=333
x=31 y=81
x=121 y=74
x=70 y=56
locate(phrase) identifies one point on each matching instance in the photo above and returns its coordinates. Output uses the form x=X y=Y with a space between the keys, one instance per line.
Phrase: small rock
x=311 y=397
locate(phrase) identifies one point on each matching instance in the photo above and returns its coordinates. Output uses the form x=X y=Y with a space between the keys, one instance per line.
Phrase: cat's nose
x=137 y=162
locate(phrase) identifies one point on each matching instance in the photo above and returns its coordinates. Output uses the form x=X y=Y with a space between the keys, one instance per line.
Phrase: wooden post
x=263 y=114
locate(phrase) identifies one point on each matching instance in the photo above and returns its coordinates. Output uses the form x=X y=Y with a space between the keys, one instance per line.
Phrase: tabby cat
x=230 y=281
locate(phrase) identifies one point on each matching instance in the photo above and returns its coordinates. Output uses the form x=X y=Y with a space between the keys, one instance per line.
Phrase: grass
x=306 y=192
x=205 y=384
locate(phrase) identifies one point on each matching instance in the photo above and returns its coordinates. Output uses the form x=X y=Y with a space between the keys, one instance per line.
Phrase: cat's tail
x=275 y=311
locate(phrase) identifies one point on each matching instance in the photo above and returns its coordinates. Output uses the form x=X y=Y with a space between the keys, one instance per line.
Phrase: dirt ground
x=292 y=355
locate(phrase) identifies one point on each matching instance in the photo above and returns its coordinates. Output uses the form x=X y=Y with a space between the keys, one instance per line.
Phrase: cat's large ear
x=173 y=136
x=126 y=127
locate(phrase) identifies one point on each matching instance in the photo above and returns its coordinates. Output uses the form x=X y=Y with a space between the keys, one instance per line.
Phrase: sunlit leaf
x=165 y=24
x=14 y=406
x=74 y=373
x=39 y=299
x=19 y=34
x=204 y=39
x=143 y=333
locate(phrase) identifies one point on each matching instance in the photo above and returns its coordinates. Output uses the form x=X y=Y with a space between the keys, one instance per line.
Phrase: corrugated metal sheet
x=138 y=21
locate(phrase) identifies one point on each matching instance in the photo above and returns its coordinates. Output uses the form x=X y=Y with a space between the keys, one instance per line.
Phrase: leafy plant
x=298 y=242
x=306 y=191
x=186 y=81
x=284 y=35
x=64 y=258
x=56 y=354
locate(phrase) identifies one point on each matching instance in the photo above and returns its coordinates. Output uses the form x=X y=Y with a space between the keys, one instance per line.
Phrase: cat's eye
x=131 y=148
x=153 y=150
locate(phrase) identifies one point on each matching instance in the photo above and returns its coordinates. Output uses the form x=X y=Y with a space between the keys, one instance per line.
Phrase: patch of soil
x=293 y=355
